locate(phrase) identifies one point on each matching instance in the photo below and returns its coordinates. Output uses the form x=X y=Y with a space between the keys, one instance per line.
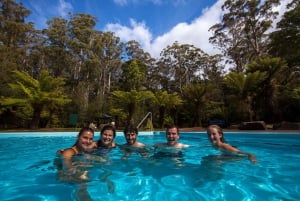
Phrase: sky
x=155 y=24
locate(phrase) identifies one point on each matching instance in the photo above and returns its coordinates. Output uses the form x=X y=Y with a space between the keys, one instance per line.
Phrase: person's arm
x=67 y=155
x=67 y=158
x=228 y=147
x=184 y=145
x=251 y=157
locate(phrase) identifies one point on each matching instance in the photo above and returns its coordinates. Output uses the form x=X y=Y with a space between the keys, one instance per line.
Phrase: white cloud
x=196 y=33
x=64 y=8
x=137 y=31
x=281 y=9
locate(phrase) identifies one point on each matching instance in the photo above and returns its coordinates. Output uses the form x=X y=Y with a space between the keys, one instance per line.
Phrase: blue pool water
x=28 y=173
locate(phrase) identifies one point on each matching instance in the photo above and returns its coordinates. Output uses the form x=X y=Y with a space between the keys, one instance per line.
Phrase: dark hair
x=131 y=129
x=108 y=127
x=82 y=130
x=172 y=126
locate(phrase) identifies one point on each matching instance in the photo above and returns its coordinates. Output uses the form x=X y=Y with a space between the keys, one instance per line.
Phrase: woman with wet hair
x=216 y=137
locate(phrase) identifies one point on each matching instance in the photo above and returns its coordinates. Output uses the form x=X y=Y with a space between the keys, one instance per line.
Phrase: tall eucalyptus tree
x=15 y=36
x=242 y=33
x=285 y=41
x=106 y=51
x=56 y=54
x=181 y=65
x=133 y=51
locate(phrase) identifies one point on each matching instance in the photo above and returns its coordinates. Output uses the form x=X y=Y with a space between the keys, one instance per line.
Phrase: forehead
x=130 y=132
x=108 y=132
x=172 y=130
x=213 y=130
x=87 y=134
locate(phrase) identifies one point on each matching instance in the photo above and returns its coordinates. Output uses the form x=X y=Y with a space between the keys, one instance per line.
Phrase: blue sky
x=153 y=23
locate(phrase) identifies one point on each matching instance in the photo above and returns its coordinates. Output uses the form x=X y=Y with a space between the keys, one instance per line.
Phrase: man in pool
x=132 y=145
x=172 y=148
x=172 y=136
x=130 y=134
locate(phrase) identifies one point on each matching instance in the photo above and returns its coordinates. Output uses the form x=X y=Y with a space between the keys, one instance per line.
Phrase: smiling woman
x=83 y=144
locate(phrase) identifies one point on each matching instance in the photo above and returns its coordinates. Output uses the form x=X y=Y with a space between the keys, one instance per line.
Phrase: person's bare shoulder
x=180 y=145
x=68 y=153
x=113 y=145
x=228 y=147
x=139 y=144
x=185 y=145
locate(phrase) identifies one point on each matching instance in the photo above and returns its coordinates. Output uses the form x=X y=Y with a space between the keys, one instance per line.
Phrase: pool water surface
x=28 y=171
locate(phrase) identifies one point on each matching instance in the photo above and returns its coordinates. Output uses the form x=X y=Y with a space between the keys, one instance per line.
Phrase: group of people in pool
x=86 y=145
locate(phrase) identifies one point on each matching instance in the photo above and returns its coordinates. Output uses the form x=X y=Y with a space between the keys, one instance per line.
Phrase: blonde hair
x=219 y=129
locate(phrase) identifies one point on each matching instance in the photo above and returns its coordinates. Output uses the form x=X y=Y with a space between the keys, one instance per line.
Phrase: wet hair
x=105 y=128
x=220 y=131
x=130 y=129
x=83 y=130
x=108 y=127
x=172 y=126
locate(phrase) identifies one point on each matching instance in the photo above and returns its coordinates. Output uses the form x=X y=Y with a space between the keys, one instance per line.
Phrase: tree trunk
x=161 y=116
x=35 y=121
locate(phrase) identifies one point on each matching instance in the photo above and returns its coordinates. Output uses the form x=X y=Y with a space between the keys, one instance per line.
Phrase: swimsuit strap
x=75 y=150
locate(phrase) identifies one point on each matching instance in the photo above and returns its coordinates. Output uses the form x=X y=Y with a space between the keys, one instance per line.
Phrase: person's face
x=85 y=140
x=214 y=136
x=107 y=137
x=130 y=137
x=172 y=135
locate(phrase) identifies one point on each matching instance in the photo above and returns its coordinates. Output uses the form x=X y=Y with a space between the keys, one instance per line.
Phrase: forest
x=69 y=74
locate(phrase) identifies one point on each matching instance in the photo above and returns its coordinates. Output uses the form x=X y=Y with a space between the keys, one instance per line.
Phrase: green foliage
x=133 y=76
x=128 y=101
x=289 y=102
x=285 y=41
x=241 y=35
x=43 y=92
x=182 y=65
x=245 y=88
x=103 y=75
x=244 y=84
x=164 y=102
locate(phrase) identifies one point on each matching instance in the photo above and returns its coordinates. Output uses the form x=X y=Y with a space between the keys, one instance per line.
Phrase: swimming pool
x=28 y=173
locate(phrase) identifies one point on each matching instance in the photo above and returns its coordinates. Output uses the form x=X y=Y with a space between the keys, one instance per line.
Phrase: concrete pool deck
x=201 y=129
